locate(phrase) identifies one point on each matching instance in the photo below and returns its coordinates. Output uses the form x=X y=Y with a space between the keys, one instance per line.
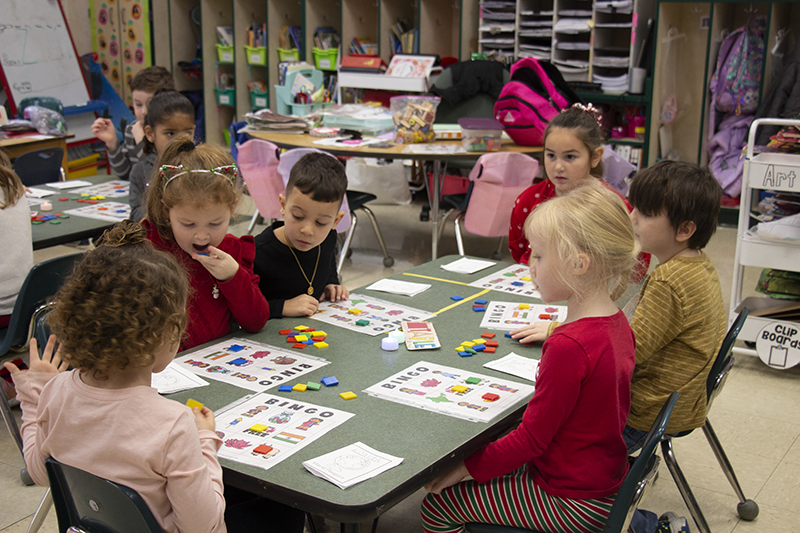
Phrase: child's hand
x=448 y=479
x=335 y=293
x=303 y=305
x=138 y=131
x=204 y=418
x=103 y=129
x=535 y=332
x=49 y=363
x=218 y=263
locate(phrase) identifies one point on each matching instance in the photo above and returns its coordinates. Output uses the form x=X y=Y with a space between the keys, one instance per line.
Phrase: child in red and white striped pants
x=560 y=470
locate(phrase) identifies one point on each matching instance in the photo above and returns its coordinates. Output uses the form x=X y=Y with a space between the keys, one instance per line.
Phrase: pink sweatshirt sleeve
x=29 y=387
x=194 y=478
x=245 y=300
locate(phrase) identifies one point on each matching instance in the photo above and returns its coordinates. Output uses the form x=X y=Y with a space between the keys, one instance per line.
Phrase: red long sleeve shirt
x=571 y=432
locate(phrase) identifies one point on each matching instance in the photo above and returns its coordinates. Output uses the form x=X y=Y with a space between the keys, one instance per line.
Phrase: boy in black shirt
x=296 y=258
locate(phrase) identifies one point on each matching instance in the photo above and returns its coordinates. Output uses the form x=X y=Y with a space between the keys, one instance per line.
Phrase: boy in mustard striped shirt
x=679 y=321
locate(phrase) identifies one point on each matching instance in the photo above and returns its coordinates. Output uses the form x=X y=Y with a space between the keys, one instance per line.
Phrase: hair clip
x=591 y=109
x=231 y=170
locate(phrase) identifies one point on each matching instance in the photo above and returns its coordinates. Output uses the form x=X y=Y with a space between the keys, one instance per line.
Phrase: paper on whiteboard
x=516 y=365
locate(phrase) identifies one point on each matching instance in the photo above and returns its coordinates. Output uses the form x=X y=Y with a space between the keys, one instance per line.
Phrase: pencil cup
x=637 y=80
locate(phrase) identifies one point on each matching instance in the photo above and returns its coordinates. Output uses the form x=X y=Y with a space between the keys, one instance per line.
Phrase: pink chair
x=497 y=179
x=258 y=161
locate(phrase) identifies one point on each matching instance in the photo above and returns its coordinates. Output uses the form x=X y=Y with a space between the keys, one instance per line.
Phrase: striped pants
x=512 y=500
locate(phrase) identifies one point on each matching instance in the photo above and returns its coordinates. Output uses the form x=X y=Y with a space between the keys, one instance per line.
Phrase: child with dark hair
x=296 y=258
x=680 y=318
x=144 y=87
x=169 y=115
x=573 y=152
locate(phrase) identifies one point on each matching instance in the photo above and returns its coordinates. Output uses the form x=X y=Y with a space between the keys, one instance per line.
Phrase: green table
x=430 y=443
x=74 y=228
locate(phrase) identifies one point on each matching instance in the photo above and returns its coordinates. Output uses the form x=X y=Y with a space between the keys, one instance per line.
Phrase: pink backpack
x=536 y=93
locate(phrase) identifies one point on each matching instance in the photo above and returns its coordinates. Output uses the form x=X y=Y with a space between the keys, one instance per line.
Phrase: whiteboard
x=36 y=52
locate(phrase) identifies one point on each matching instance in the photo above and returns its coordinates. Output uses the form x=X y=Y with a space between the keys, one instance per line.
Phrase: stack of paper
x=467 y=266
x=394 y=286
x=352 y=464
x=612 y=83
x=266 y=120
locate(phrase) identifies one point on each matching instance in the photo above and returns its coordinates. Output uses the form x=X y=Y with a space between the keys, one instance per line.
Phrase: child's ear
x=597 y=155
x=282 y=200
x=685 y=231
x=150 y=134
x=338 y=219
x=581 y=265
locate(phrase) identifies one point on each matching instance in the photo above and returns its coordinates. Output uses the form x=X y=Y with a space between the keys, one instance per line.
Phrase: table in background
x=430 y=443
x=287 y=140
x=16 y=146
x=74 y=228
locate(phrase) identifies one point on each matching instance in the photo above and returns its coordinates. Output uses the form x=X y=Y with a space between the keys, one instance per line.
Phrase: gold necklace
x=311 y=282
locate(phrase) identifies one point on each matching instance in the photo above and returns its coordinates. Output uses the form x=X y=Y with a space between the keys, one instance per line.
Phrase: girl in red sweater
x=561 y=468
x=193 y=194
x=573 y=153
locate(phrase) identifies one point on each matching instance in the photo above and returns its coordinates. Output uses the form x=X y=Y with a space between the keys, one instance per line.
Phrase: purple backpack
x=737 y=77
x=528 y=102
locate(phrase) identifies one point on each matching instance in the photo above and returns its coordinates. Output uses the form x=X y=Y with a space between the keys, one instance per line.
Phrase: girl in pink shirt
x=561 y=468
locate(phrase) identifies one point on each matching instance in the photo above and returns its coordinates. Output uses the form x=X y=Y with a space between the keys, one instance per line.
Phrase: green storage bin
x=256 y=55
x=325 y=59
x=226 y=96
x=225 y=54
x=259 y=100
x=292 y=54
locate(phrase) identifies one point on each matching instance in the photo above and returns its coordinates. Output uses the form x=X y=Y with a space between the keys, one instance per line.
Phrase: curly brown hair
x=122 y=301
x=198 y=189
x=10 y=184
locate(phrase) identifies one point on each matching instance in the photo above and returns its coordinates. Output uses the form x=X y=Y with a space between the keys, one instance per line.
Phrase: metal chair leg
x=499 y=253
x=347 y=240
x=683 y=486
x=11 y=422
x=387 y=261
x=41 y=513
x=443 y=222
x=747 y=509
x=253 y=221
x=459 y=238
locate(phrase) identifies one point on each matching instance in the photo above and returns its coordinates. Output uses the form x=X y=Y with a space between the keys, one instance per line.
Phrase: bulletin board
x=121 y=40
x=37 y=56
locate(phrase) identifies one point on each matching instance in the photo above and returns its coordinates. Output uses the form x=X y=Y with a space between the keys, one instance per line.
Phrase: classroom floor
x=757 y=416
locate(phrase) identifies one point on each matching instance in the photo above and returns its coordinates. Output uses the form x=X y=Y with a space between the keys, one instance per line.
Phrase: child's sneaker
x=670 y=522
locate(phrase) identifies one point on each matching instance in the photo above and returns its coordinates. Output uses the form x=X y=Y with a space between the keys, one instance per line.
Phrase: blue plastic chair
x=635 y=486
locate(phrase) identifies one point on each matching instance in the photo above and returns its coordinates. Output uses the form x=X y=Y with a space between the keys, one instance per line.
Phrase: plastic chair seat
x=40 y=166
x=357 y=199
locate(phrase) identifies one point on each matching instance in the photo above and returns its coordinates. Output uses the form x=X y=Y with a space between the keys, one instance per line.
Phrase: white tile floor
x=757 y=416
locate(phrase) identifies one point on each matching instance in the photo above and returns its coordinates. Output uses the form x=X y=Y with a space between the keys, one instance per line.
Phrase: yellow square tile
x=349 y=395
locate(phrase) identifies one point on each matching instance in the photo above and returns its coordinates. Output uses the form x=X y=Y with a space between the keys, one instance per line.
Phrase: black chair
x=747 y=509
x=356 y=201
x=637 y=483
x=90 y=504
x=40 y=166
x=41 y=283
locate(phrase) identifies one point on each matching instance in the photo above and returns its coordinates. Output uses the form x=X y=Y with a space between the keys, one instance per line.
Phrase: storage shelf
x=769 y=255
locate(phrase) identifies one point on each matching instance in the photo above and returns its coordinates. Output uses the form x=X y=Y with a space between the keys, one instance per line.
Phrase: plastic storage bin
x=325 y=59
x=256 y=55
x=225 y=54
x=259 y=100
x=480 y=134
x=292 y=54
x=226 y=96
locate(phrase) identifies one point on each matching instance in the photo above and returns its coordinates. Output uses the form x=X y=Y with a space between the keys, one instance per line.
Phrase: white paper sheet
x=175 y=379
x=516 y=365
x=508 y=316
x=33 y=192
x=69 y=184
x=352 y=464
x=467 y=266
x=394 y=286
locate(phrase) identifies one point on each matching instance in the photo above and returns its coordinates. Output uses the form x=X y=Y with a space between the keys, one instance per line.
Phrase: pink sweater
x=571 y=432
x=131 y=436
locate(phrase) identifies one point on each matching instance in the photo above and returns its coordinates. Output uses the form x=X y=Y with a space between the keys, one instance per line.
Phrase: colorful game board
x=515 y=279
x=508 y=316
x=250 y=365
x=110 y=211
x=263 y=430
x=366 y=314
x=109 y=189
x=451 y=391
